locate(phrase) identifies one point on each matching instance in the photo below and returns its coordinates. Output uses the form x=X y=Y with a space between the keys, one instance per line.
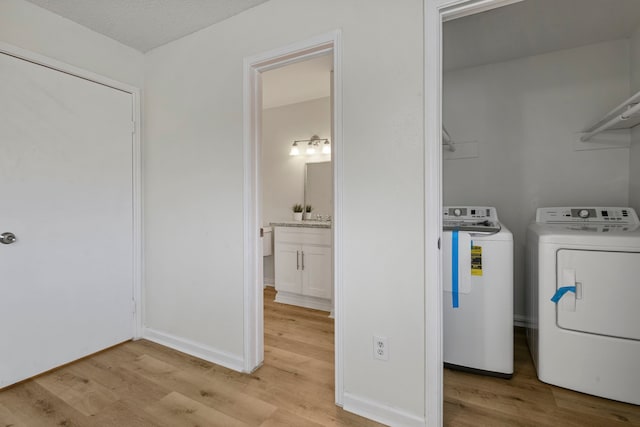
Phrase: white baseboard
x=193 y=348
x=381 y=413
x=304 y=301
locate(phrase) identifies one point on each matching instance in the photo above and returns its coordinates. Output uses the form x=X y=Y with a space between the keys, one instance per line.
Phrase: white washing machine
x=478 y=291
x=583 y=300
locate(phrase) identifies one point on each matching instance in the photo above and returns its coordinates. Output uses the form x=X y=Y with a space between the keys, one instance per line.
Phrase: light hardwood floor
x=144 y=384
x=474 y=400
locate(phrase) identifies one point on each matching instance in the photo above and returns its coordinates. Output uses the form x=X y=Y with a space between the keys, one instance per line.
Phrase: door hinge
x=133 y=127
x=438 y=242
x=134 y=308
x=262 y=232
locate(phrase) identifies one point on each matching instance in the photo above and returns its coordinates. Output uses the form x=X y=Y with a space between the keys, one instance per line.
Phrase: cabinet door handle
x=297 y=260
x=303 y=260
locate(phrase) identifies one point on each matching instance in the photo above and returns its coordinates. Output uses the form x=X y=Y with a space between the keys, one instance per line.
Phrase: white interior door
x=66 y=192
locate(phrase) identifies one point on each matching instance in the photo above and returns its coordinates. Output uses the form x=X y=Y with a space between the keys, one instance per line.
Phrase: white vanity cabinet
x=302 y=257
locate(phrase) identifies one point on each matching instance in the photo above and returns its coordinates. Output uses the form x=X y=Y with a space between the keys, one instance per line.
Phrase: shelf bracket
x=624 y=116
x=447 y=141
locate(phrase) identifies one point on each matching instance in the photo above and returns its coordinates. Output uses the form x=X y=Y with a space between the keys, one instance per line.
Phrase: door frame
x=435 y=13
x=136 y=184
x=253 y=282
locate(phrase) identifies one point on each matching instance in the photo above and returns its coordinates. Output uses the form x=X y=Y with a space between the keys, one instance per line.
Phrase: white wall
x=282 y=174
x=194 y=183
x=634 y=155
x=30 y=27
x=526 y=115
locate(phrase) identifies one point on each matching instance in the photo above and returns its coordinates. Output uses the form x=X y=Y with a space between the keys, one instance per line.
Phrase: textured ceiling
x=536 y=26
x=146 y=24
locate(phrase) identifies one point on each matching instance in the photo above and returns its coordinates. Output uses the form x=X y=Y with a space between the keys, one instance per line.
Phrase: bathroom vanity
x=303 y=259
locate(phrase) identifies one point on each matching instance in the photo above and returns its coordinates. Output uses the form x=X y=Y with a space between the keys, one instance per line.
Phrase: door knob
x=7 y=238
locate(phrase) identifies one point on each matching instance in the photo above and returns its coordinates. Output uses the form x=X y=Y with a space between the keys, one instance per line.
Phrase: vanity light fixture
x=313 y=146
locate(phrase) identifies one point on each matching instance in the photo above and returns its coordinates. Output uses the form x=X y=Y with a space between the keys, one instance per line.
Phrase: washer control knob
x=583 y=213
x=457 y=212
x=7 y=238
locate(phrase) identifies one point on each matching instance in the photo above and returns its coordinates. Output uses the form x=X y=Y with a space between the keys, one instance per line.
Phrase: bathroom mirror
x=318 y=188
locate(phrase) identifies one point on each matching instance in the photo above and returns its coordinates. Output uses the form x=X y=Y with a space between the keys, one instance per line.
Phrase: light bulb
x=311 y=149
x=326 y=148
x=295 y=151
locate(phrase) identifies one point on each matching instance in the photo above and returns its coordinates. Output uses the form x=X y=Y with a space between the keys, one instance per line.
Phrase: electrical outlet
x=380 y=347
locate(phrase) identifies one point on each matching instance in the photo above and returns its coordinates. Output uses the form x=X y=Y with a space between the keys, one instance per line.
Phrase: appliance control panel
x=587 y=215
x=469 y=213
x=470 y=218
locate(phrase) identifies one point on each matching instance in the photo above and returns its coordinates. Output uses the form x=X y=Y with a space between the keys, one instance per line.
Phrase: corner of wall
x=193 y=348
x=30 y=27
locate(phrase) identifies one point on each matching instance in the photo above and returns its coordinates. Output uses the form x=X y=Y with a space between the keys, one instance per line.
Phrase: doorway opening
x=507 y=106
x=270 y=150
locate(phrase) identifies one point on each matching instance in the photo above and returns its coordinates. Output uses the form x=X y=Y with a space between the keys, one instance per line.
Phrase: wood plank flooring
x=474 y=400
x=144 y=384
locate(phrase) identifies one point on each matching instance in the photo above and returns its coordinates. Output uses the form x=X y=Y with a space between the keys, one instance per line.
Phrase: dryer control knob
x=584 y=213
x=457 y=212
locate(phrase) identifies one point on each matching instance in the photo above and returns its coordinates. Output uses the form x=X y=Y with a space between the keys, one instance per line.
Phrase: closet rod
x=635 y=109
x=621 y=113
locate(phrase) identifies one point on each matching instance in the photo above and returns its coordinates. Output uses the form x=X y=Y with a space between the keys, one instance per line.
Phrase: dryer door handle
x=578 y=290
x=567 y=300
x=569 y=279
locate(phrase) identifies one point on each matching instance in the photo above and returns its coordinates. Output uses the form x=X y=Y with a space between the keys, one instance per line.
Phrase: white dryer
x=583 y=297
x=478 y=291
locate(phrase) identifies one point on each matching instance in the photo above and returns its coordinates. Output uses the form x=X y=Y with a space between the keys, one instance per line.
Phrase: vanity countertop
x=305 y=223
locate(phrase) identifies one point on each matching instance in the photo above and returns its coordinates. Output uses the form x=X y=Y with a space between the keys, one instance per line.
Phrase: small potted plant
x=297 y=212
x=307 y=212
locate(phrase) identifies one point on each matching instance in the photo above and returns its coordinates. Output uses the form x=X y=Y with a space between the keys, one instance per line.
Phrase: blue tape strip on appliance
x=454 y=269
x=561 y=291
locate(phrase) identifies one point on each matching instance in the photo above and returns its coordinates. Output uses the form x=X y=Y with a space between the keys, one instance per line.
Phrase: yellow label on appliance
x=476 y=260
